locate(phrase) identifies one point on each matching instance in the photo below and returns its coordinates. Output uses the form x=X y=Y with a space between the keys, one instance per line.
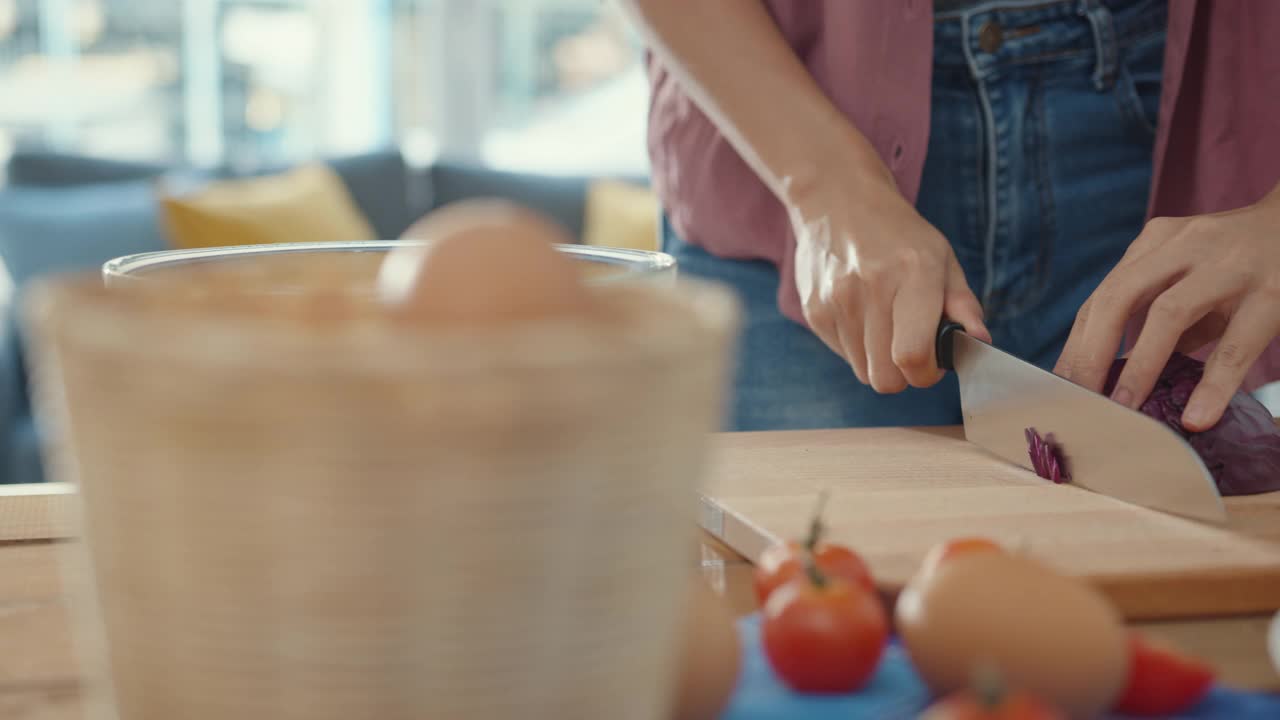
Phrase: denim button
x=990 y=37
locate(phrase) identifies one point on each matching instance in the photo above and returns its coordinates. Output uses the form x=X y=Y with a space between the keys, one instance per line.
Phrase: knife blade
x=1109 y=448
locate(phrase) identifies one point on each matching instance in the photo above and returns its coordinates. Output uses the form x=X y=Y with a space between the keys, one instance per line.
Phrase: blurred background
x=549 y=86
x=131 y=126
x=127 y=125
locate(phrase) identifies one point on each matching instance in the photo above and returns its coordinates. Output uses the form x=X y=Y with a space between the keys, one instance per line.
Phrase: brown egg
x=484 y=262
x=711 y=658
x=1044 y=633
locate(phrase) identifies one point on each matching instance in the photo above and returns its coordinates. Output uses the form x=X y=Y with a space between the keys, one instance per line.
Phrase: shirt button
x=899 y=150
x=911 y=7
x=990 y=37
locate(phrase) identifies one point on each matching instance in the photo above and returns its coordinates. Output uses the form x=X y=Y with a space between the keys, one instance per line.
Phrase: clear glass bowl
x=292 y=268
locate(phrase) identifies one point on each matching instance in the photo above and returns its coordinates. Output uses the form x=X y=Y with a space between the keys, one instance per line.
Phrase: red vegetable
x=989 y=699
x=1046 y=457
x=784 y=562
x=1242 y=451
x=824 y=635
x=968 y=706
x=1162 y=681
x=823 y=632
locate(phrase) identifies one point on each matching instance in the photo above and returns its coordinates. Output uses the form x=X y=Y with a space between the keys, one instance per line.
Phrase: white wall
x=1270 y=396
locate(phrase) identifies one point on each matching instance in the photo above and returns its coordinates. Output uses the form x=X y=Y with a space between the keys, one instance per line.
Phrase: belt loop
x=1104 y=40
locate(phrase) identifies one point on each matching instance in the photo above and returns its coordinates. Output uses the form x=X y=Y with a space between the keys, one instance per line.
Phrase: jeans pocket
x=1139 y=82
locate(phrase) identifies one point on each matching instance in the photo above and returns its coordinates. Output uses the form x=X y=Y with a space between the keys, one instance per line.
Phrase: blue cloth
x=896 y=692
x=1038 y=172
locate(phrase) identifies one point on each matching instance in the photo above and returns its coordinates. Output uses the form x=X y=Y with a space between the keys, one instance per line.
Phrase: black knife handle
x=946 y=343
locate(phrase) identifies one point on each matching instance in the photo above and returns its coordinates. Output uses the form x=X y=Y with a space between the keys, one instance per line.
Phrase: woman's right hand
x=875 y=279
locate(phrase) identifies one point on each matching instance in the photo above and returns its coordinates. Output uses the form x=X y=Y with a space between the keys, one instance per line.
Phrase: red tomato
x=969 y=705
x=958 y=546
x=824 y=638
x=784 y=562
x=1162 y=681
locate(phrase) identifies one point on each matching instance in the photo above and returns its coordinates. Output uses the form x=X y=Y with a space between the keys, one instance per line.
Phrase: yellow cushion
x=621 y=215
x=307 y=204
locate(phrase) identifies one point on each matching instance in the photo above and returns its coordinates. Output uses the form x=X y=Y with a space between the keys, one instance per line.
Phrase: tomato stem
x=988 y=686
x=816 y=528
x=816 y=576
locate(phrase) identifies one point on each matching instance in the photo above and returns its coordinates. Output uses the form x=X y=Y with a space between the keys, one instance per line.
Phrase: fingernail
x=1123 y=396
x=1196 y=415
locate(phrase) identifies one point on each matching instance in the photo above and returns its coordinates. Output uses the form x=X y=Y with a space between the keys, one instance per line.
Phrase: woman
x=857 y=170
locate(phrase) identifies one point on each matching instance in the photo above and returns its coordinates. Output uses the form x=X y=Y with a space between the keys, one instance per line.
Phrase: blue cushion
x=562 y=198
x=48 y=230
x=53 y=230
x=26 y=463
x=51 y=169
x=379 y=182
x=13 y=392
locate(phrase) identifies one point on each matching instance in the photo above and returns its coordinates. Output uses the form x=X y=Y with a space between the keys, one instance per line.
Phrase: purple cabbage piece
x=1242 y=451
x=1046 y=457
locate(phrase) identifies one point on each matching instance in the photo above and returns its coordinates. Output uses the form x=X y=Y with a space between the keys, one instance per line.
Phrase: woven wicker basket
x=306 y=509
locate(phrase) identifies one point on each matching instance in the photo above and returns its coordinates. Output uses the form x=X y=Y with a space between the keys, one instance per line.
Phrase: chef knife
x=1109 y=448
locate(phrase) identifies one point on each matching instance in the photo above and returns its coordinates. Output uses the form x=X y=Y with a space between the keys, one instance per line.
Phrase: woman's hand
x=1203 y=278
x=875 y=279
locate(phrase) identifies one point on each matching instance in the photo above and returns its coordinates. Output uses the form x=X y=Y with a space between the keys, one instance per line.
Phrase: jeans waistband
x=988 y=34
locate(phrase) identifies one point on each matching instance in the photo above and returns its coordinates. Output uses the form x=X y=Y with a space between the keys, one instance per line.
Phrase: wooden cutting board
x=36 y=512
x=897 y=492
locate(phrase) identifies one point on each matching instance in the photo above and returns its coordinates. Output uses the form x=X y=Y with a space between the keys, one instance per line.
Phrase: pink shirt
x=1218 y=146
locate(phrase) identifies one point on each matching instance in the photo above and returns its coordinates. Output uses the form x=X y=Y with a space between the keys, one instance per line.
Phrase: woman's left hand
x=1202 y=278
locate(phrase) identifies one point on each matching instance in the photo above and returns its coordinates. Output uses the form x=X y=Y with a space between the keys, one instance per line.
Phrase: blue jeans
x=1038 y=170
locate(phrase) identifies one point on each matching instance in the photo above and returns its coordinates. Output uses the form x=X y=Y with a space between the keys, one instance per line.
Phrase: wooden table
x=39 y=678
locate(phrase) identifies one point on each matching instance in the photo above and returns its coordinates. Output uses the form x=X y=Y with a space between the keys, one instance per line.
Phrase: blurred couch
x=62 y=212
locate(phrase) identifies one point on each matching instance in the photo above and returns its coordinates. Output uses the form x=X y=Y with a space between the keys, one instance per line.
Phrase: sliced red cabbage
x=1046 y=457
